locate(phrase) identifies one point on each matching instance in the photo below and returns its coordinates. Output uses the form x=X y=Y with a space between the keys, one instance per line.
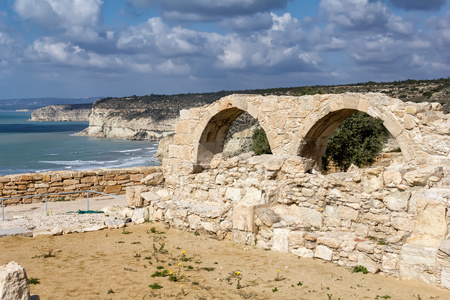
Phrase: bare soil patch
x=119 y=264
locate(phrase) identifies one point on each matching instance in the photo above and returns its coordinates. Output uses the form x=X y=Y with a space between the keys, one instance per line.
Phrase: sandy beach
x=119 y=264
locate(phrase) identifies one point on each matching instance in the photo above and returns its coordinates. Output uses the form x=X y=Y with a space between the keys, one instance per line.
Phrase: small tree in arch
x=358 y=140
x=260 y=143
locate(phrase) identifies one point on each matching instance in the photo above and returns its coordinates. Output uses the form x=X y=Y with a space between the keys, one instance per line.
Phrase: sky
x=113 y=48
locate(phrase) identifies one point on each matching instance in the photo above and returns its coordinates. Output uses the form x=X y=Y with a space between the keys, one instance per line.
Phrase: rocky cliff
x=59 y=113
x=149 y=117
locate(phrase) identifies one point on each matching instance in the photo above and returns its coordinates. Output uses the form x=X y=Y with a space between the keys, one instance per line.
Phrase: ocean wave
x=78 y=162
x=131 y=150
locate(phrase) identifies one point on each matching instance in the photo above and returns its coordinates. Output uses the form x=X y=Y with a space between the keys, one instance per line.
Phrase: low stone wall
x=111 y=181
x=391 y=219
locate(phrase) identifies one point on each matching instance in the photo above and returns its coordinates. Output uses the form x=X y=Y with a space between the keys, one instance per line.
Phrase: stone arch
x=320 y=125
x=210 y=134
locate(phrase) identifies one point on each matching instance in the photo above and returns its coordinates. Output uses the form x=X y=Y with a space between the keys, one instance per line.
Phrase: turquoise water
x=48 y=146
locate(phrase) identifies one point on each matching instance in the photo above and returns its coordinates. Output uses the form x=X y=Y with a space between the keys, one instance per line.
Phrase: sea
x=27 y=146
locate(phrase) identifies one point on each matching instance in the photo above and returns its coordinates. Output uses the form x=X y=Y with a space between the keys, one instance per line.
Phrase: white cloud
x=57 y=14
x=364 y=15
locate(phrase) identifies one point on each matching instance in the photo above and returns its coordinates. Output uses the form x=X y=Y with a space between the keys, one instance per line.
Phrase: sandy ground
x=119 y=263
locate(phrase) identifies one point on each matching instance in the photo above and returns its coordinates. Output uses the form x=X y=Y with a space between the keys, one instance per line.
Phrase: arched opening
x=343 y=138
x=230 y=131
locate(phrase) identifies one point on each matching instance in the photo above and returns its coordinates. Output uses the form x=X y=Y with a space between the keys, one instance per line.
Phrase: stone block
x=194 y=222
x=329 y=242
x=401 y=223
x=136 y=177
x=113 y=189
x=182 y=126
x=418 y=262
x=443 y=253
x=133 y=195
x=153 y=179
x=140 y=215
x=367 y=247
x=389 y=263
x=71 y=182
x=14 y=282
x=445 y=277
x=303 y=252
x=243 y=218
x=267 y=216
x=365 y=261
x=348 y=213
x=301 y=216
x=397 y=201
x=252 y=196
x=392 y=178
x=281 y=240
x=430 y=227
x=420 y=176
x=233 y=194
x=323 y=252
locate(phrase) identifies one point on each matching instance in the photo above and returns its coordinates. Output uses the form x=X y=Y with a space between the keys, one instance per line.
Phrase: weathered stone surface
x=14 y=282
x=252 y=196
x=420 y=176
x=16 y=232
x=140 y=215
x=445 y=277
x=323 y=252
x=418 y=262
x=347 y=213
x=443 y=254
x=281 y=240
x=149 y=197
x=299 y=215
x=153 y=179
x=389 y=263
x=303 y=252
x=397 y=201
x=243 y=217
x=430 y=227
x=329 y=242
x=365 y=261
x=404 y=224
x=267 y=216
x=134 y=198
x=233 y=194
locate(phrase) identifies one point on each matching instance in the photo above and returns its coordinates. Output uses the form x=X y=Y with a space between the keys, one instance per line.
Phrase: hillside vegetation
x=160 y=107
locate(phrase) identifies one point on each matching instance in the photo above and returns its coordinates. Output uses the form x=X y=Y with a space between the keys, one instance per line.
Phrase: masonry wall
x=111 y=181
x=392 y=219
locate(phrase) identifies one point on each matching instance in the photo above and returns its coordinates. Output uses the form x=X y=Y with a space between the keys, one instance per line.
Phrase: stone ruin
x=391 y=218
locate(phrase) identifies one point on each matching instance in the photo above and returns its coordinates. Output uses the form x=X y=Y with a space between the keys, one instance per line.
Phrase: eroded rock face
x=113 y=124
x=14 y=282
x=61 y=113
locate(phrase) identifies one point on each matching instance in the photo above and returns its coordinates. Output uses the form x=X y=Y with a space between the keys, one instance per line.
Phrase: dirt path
x=118 y=264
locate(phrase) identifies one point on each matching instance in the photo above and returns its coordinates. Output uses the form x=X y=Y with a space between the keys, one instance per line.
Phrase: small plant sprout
x=361 y=269
x=182 y=290
x=155 y=286
x=239 y=278
x=274 y=290
x=110 y=291
x=34 y=280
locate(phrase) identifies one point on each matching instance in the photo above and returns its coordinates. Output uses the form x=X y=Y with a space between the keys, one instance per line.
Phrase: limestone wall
x=301 y=126
x=389 y=219
x=111 y=181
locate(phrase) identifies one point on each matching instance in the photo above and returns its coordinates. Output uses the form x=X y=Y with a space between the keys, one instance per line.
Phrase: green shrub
x=260 y=144
x=358 y=140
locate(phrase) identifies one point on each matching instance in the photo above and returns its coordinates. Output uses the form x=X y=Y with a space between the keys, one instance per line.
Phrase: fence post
x=3 y=212
x=46 y=210
x=87 y=198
